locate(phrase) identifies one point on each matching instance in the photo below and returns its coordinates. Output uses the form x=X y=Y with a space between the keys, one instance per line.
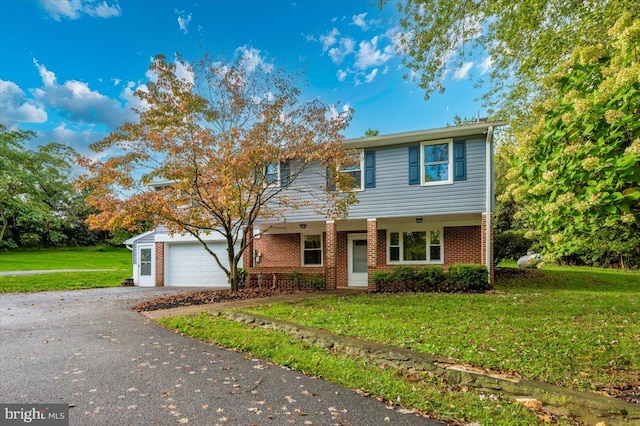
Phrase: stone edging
x=589 y=407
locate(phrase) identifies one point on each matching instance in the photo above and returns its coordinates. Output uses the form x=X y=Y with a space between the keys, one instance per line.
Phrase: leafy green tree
x=525 y=40
x=371 y=132
x=35 y=190
x=576 y=171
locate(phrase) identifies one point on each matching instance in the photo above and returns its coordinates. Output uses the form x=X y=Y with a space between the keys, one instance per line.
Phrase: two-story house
x=425 y=197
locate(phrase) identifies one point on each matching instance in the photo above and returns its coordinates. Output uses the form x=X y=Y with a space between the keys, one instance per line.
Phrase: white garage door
x=190 y=265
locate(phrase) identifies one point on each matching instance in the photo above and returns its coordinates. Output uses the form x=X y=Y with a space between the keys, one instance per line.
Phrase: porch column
x=159 y=264
x=372 y=250
x=331 y=254
x=483 y=242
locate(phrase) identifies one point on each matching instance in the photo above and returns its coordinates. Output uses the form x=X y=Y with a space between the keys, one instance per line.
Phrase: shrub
x=383 y=280
x=430 y=278
x=463 y=278
x=510 y=245
x=406 y=277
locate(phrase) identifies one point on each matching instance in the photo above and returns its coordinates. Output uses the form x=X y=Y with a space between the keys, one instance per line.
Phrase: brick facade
x=462 y=244
x=159 y=264
x=282 y=252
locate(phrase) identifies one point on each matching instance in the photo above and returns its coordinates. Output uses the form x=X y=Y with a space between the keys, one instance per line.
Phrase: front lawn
x=65 y=258
x=574 y=327
x=571 y=327
x=63 y=281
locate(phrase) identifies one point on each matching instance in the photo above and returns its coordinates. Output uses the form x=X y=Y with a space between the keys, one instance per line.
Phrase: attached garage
x=160 y=259
x=190 y=265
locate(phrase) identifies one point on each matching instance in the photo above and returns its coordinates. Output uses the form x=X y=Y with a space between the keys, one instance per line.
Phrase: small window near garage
x=312 y=250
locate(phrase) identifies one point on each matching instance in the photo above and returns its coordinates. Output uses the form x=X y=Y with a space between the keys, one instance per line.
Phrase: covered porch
x=346 y=253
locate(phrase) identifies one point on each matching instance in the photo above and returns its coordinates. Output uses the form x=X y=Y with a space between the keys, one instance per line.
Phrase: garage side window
x=312 y=250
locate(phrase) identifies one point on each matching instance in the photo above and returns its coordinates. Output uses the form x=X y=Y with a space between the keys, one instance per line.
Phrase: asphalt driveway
x=87 y=348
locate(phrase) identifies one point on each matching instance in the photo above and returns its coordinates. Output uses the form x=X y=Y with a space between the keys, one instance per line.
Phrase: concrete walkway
x=87 y=348
x=50 y=271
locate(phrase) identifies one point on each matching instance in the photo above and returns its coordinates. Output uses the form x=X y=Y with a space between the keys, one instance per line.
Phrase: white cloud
x=184 y=71
x=342 y=75
x=336 y=114
x=486 y=65
x=77 y=102
x=359 y=21
x=183 y=21
x=15 y=107
x=347 y=46
x=102 y=10
x=73 y=9
x=116 y=81
x=462 y=72
x=329 y=39
x=371 y=76
x=370 y=56
x=253 y=59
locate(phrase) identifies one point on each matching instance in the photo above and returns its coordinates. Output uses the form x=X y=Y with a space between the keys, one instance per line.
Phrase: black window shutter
x=414 y=165
x=285 y=173
x=369 y=169
x=459 y=161
x=331 y=185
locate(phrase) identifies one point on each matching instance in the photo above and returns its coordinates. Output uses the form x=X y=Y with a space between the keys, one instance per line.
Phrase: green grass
x=575 y=327
x=419 y=392
x=118 y=259
x=63 y=281
x=65 y=258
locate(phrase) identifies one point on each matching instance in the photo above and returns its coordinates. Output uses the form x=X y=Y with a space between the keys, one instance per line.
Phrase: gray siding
x=394 y=197
x=147 y=239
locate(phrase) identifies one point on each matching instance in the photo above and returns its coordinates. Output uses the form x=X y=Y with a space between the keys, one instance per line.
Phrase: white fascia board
x=423 y=135
x=187 y=238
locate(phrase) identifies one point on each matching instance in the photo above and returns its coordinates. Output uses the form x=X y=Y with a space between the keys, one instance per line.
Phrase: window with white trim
x=414 y=246
x=356 y=171
x=436 y=160
x=272 y=174
x=312 y=250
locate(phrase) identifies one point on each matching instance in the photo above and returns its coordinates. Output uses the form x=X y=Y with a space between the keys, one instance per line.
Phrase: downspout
x=488 y=197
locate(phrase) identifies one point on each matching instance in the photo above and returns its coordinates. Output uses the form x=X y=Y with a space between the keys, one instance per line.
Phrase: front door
x=146 y=277
x=357 y=255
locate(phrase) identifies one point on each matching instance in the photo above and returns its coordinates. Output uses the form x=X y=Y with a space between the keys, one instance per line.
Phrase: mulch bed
x=212 y=296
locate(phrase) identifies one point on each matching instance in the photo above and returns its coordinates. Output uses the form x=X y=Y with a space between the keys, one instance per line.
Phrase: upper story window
x=436 y=160
x=356 y=170
x=272 y=174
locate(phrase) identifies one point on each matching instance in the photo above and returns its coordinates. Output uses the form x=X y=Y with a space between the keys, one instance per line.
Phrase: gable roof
x=423 y=135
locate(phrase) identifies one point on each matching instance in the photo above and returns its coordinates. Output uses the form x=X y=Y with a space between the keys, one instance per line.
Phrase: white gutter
x=488 y=193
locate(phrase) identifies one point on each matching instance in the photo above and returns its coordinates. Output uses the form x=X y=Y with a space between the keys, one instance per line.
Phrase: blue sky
x=68 y=68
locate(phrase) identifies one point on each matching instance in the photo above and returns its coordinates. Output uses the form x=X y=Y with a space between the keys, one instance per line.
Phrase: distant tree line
x=39 y=206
